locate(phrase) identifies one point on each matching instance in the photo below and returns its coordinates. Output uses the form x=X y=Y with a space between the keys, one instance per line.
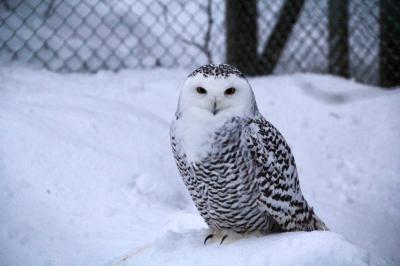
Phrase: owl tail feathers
x=315 y=223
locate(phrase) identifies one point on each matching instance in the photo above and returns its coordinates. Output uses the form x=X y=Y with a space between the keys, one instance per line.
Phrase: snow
x=316 y=248
x=88 y=178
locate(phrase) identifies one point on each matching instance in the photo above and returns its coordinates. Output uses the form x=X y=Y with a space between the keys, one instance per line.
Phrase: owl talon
x=208 y=237
x=223 y=238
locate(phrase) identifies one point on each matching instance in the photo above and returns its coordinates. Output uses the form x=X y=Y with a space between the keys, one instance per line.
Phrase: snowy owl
x=237 y=166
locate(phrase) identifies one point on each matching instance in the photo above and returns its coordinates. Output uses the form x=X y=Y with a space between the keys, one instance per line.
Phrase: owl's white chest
x=196 y=135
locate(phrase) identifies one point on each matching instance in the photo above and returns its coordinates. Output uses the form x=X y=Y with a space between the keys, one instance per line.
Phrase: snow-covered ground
x=87 y=176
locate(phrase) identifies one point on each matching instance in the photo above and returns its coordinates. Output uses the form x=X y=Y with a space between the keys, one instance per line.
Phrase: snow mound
x=87 y=173
x=298 y=248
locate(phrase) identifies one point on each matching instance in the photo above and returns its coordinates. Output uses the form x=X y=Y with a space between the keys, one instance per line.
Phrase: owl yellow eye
x=230 y=91
x=201 y=90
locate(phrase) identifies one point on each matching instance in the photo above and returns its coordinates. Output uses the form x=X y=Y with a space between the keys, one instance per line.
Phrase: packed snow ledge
x=87 y=175
x=299 y=248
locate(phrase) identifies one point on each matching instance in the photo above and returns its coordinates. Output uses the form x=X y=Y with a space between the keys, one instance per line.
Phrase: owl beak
x=214 y=109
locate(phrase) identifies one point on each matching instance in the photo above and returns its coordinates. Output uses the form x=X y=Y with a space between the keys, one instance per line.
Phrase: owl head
x=216 y=91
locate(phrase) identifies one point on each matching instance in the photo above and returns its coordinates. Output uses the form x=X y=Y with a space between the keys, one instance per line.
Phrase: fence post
x=389 y=46
x=338 y=37
x=241 y=38
x=274 y=46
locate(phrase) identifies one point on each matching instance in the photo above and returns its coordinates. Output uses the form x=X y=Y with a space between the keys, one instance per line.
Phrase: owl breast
x=222 y=184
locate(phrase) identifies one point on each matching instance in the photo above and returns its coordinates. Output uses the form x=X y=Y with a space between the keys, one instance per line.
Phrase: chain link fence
x=352 y=38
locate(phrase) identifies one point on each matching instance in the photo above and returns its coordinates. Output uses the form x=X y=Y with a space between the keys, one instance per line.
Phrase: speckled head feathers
x=217 y=70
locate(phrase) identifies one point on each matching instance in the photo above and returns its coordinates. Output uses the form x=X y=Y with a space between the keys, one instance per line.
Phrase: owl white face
x=214 y=97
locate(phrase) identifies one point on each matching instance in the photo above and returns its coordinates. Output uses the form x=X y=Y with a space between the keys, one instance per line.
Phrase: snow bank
x=300 y=248
x=87 y=174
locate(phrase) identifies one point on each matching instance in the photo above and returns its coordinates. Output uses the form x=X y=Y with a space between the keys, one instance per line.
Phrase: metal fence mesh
x=91 y=35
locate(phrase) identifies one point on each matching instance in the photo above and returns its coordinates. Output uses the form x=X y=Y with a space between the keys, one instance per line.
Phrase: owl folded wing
x=277 y=179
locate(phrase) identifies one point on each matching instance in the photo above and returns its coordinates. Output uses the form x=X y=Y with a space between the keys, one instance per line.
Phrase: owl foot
x=208 y=237
x=223 y=238
x=212 y=235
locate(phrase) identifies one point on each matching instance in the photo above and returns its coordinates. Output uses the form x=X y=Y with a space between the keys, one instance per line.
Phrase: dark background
x=358 y=39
